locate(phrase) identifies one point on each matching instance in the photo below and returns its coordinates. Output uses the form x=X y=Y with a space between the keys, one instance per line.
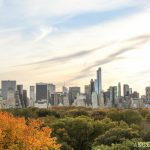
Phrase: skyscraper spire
x=99 y=81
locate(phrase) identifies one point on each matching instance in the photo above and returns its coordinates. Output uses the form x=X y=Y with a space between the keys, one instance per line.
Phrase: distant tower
x=11 y=102
x=64 y=90
x=20 y=92
x=99 y=81
x=41 y=91
x=119 y=89
x=94 y=100
x=92 y=86
x=25 y=98
x=32 y=96
x=126 y=90
x=96 y=86
x=73 y=91
x=147 y=93
x=6 y=85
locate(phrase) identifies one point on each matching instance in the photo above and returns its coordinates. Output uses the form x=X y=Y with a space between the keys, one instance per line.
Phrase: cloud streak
x=114 y=56
x=69 y=57
x=135 y=43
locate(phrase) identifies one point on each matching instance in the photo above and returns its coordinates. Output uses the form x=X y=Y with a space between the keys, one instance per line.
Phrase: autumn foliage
x=19 y=134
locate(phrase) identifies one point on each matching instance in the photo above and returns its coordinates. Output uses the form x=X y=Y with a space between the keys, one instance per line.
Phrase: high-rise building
x=32 y=96
x=51 y=92
x=6 y=86
x=64 y=90
x=92 y=86
x=87 y=91
x=113 y=95
x=11 y=102
x=119 y=90
x=148 y=93
x=130 y=91
x=99 y=81
x=80 y=100
x=73 y=91
x=94 y=100
x=126 y=90
x=107 y=97
x=41 y=91
x=20 y=92
x=101 y=100
x=96 y=86
x=51 y=88
x=25 y=98
x=135 y=94
x=17 y=98
x=66 y=100
x=58 y=99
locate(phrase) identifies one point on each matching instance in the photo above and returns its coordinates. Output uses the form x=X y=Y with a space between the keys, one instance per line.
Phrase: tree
x=126 y=145
x=16 y=134
x=76 y=132
x=148 y=117
x=116 y=135
x=129 y=116
x=98 y=115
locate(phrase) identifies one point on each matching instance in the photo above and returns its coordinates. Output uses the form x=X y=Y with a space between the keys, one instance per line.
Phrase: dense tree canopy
x=19 y=134
x=78 y=128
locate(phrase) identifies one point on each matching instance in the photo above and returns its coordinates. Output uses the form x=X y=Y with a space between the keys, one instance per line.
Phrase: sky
x=65 y=42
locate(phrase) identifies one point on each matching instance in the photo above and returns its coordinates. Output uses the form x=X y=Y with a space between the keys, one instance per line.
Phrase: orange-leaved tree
x=19 y=134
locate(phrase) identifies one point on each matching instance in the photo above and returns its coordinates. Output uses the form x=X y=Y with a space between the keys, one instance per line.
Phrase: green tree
x=129 y=116
x=116 y=135
x=75 y=132
x=126 y=145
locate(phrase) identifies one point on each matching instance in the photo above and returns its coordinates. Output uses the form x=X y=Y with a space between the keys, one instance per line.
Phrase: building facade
x=41 y=91
x=6 y=86
x=73 y=91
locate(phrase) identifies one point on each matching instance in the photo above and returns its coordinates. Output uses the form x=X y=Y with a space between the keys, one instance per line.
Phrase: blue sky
x=43 y=39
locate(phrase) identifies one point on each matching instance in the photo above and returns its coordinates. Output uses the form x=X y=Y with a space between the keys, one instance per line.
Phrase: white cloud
x=1 y=3
x=8 y=30
x=44 y=31
x=16 y=49
x=72 y=7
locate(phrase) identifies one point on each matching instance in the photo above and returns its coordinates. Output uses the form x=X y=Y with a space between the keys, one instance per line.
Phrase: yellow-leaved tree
x=19 y=134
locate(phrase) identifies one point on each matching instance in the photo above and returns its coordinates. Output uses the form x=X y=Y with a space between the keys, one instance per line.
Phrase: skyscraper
x=41 y=91
x=11 y=102
x=64 y=90
x=87 y=91
x=126 y=90
x=113 y=95
x=99 y=81
x=73 y=91
x=51 y=89
x=25 y=98
x=20 y=92
x=92 y=86
x=96 y=86
x=147 y=93
x=6 y=86
x=119 y=89
x=32 y=96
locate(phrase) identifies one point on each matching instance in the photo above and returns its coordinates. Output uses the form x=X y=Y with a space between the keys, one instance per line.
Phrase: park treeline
x=93 y=129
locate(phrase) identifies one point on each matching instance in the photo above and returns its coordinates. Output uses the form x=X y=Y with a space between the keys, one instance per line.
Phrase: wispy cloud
x=44 y=31
x=66 y=58
x=8 y=30
x=67 y=38
x=138 y=41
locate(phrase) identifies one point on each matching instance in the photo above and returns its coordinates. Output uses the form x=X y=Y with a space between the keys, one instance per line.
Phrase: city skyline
x=61 y=41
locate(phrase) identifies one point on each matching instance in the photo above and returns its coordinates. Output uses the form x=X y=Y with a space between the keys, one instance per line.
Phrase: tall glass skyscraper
x=41 y=91
x=99 y=81
x=6 y=87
